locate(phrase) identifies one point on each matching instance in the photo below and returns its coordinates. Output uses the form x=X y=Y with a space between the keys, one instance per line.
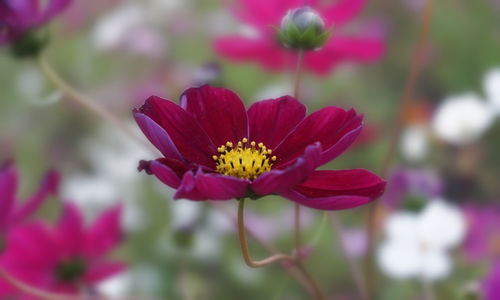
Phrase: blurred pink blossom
x=262 y=46
x=64 y=258
x=483 y=236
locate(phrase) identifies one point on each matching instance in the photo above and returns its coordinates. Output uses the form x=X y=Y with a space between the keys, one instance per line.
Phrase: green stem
x=244 y=245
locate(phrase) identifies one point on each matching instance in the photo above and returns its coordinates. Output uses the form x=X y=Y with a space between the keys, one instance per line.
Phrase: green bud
x=30 y=44
x=303 y=29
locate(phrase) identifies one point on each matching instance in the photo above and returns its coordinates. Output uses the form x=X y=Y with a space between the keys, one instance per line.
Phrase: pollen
x=244 y=160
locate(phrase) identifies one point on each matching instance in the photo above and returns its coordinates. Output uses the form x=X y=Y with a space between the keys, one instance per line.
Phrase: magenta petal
x=341 y=145
x=169 y=171
x=277 y=180
x=491 y=284
x=270 y=121
x=326 y=126
x=210 y=186
x=102 y=270
x=105 y=233
x=326 y=203
x=356 y=182
x=48 y=186
x=219 y=111
x=8 y=189
x=157 y=136
x=34 y=245
x=262 y=50
x=186 y=133
x=69 y=231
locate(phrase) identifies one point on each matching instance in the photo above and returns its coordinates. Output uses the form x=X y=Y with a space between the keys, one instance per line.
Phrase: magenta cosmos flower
x=483 y=237
x=216 y=150
x=263 y=46
x=65 y=258
x=491 y=284
x=18 y=17
x=12 y=211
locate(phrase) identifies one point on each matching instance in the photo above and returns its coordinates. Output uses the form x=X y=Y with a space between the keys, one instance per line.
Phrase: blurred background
x=445 y=170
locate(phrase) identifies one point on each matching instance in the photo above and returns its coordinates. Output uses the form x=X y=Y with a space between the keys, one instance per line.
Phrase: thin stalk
x=296 y=91
x=299 y=277
x=427 y=289
x=352 y=263
x=83 y=100
x=244 y=245
x=406 y=100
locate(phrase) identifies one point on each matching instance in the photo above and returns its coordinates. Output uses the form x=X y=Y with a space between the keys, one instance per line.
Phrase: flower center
x=246 y=161
x=70 y=270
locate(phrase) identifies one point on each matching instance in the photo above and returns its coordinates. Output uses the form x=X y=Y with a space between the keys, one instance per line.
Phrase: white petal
x=399 y=260
x=491 y=84
x=402 y=226
x=462 y=119
x=441 y=225
x=436 y=265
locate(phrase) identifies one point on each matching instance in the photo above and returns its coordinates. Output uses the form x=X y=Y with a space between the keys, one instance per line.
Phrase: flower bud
x=303 y=28
x=29 y=44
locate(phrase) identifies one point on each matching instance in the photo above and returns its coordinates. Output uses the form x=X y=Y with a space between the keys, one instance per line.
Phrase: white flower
x=491 y=83
x=462 y=119
x=417 y=244
x=414 y=142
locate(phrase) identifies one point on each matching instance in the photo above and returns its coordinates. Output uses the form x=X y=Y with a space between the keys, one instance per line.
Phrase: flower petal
x=334 y=190
x=210 y=186
x=277 y=180
x=69 y=232
x=356 y=182
x=263 y=50
x=219 y=111
x=8 y=189
x=327 y=126
x=270 y=121
x=189 y=138
x=326 y=203
x=169 y=171
x=157 y=136
x=105 y=233
x=341 y=49
x=48 y=186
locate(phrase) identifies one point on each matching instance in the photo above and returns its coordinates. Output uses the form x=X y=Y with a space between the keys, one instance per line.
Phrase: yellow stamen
x=245 y=161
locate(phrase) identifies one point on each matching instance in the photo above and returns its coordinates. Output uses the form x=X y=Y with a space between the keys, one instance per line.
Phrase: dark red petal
x=326 y=203
x=356 y=182
x=169 y=171
x=270 y=121
x=189 y=138
x=326 y=126
x=157 y=136
x=219 y=111
x=210 y=186
x=276 y=180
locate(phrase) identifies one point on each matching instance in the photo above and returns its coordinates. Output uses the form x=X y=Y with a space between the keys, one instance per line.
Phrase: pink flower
x=65 y=258
x=12 y=212
x=216 y=150
x=483 y=238
x=491 y=284
x=264 y=49
x=17 y=17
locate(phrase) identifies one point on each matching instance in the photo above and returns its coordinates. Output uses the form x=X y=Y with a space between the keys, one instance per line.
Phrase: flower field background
x=79 y=214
